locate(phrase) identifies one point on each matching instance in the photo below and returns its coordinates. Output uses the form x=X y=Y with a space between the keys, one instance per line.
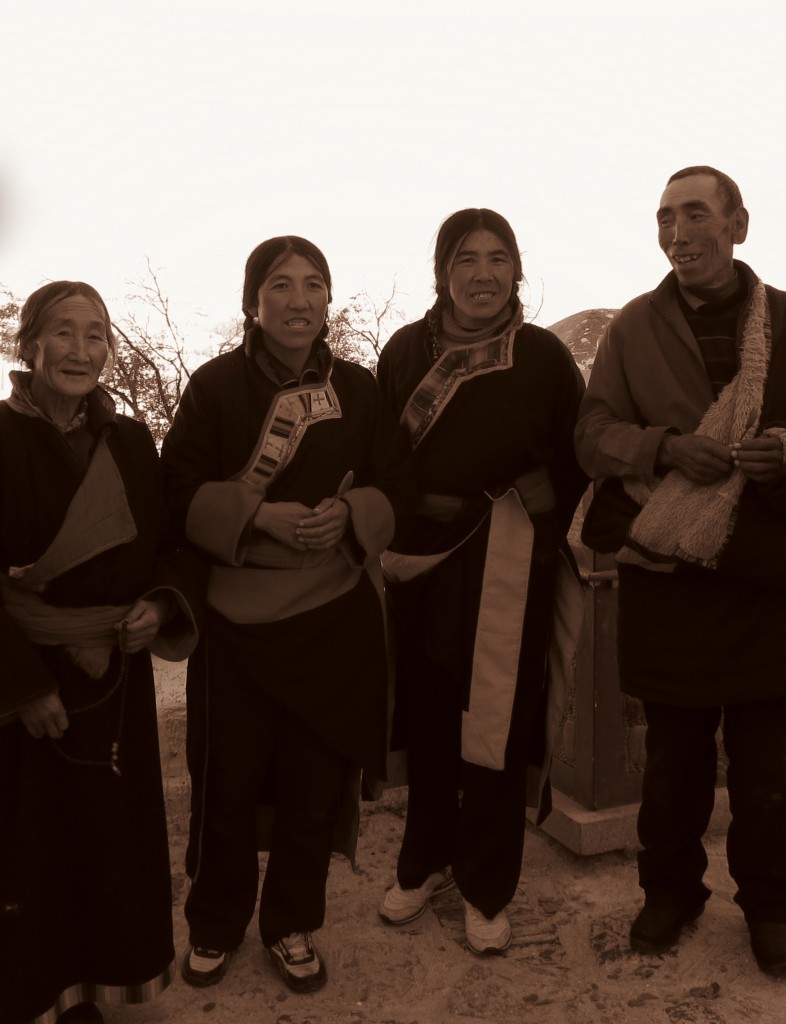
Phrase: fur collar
x=682 y=521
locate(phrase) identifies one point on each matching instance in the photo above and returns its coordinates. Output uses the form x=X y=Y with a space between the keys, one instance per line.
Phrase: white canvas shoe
x=400 y=906
x=486 y=935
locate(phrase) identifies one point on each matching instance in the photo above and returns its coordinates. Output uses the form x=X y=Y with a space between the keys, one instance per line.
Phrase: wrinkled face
x=70 y=352
x=292 y=305
x=480 y=278
x=697 y=234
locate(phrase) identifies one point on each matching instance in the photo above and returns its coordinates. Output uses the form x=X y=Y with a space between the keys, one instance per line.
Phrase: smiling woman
x=64 y=340
x=291 y=307
x=489 y=405
x=87 y=585
x=480 y=277
x=286 y=468
x=477 y=267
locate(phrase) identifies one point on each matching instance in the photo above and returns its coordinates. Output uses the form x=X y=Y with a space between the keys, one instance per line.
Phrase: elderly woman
x=489 y=404
x=85 y=899
x=285 y=466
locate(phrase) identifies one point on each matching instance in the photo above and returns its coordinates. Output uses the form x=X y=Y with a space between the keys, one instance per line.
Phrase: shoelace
x=297 y=946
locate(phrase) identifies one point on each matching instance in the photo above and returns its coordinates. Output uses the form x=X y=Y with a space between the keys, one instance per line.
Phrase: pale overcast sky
x=189 y=132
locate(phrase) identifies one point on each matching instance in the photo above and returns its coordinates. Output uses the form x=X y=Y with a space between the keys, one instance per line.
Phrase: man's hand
x=699 y=458
x=45 y=716
x=761 y=459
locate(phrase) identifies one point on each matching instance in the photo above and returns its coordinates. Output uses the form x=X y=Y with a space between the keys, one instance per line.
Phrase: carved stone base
x=613 y=828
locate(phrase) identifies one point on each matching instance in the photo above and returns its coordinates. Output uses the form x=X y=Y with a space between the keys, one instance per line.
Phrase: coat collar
x=97 y=409
x=665 y=295
x=316 y=369
x=664 y=299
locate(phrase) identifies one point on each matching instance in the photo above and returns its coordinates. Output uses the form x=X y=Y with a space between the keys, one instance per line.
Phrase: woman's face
x=292 y=305
x=480 y=278
x=69 y=353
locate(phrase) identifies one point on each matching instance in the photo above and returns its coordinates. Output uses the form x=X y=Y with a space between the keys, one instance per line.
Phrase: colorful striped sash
x=289 y=417
x=456 y=365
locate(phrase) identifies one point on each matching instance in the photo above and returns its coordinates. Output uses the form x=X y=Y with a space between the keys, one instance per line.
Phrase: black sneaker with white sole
x=296 y=959
x=203 y=967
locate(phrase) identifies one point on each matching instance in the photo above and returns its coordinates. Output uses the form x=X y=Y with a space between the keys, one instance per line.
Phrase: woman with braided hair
x=489 y=403
x=286 y=468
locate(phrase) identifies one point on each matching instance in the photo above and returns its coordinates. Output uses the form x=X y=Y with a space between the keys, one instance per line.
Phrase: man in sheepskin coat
x=684 y=421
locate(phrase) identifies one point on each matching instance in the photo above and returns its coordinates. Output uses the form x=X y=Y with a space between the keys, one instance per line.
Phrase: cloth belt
x=46 y=624
x=503 y=601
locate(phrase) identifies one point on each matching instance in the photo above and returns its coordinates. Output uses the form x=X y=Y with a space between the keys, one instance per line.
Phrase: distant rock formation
x=581 y=332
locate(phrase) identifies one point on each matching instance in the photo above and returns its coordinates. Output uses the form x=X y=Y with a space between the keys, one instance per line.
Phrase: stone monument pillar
x=599 y=756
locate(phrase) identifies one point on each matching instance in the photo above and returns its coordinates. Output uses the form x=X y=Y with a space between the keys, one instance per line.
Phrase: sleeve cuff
x=220 y=517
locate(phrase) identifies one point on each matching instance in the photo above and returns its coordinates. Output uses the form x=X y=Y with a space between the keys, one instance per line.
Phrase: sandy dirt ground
x=569 y=962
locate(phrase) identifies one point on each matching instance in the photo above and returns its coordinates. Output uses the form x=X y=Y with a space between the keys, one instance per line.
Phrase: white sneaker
x=400 y=906
x=486 y=935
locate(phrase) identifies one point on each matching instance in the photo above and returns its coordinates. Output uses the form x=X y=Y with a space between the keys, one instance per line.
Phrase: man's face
x=697 y=233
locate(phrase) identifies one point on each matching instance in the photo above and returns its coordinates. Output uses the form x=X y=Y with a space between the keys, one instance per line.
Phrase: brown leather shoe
x=768 y=942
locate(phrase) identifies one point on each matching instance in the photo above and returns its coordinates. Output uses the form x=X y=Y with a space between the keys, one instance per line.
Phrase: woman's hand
x=303 y=528
x=325 y=526
x=45 y=716
x=142 y=623
x=280 y=519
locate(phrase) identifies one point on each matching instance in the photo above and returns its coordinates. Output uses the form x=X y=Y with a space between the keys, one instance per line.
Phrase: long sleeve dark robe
x=498 y=426
x=84 y=861
x=327 y=665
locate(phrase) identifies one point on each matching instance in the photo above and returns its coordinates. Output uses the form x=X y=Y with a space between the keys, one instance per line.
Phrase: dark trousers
x=466 y=816
x=253 y=746
x=678 y=794
x=460 y=814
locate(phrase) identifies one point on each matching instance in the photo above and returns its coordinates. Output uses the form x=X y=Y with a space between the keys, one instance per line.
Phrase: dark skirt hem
x=112 y=995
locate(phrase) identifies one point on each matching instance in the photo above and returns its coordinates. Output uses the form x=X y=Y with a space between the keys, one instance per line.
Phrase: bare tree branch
x=150 y=368
x=10 y=307
x=362 y=327
x=230 y=332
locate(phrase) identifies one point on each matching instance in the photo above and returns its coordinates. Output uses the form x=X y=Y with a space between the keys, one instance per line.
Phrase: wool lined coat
x=693 y=637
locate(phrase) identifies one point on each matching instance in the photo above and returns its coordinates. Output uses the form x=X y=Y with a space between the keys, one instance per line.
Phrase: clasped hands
x=302 y=528
x=704 y=461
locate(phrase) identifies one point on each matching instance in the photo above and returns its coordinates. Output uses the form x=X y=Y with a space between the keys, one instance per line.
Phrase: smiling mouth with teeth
x=483 y=295
x=685 y=259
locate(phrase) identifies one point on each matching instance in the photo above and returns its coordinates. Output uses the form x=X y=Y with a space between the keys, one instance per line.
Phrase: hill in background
x=581 y=332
